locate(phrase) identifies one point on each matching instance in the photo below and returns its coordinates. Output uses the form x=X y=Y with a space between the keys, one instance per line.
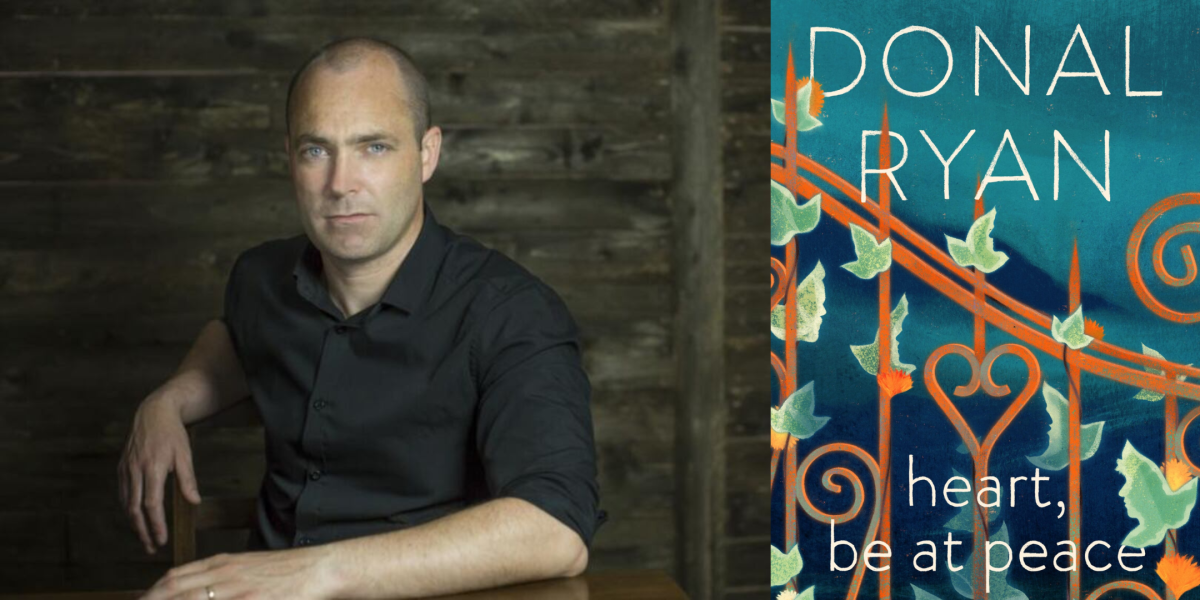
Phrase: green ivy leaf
x=964 y=520
x=785 y=566
x=1056 y=455
x=1150 y=500
x=920 y=594
x=808 y=594
x=868 y=355
x=873 y=258
x=804 y=121
x=796 y=417
x=1070 y=332
x=810 y=305
x=1151 y=395
x=1000 y=589
x=788 y=219
x=977 y=251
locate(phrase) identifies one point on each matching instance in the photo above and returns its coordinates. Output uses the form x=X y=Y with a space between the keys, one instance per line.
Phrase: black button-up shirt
x=463 y=383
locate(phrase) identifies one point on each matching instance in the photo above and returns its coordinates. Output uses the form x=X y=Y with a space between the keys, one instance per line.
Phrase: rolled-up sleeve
x=534 y=431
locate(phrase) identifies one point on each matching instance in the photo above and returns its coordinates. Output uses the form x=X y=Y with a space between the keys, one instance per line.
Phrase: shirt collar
x=409 y=286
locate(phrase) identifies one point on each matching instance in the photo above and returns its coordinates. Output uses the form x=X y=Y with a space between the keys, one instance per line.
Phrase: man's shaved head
x=346 y=54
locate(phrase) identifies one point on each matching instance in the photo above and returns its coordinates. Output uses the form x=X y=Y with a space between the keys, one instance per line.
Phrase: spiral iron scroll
x=859 y=495
x=1128 y=586
x=1189 y=259
x=1177 y=443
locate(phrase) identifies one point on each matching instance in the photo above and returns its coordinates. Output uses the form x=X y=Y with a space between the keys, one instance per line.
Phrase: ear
x=431 y=149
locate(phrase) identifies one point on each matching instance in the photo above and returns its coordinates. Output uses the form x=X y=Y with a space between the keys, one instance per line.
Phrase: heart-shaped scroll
x=982 y=377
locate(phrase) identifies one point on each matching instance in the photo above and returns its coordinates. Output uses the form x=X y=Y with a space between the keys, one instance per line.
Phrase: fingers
x=189 y=582
x=186 y=478
x=198 y=566
x=153 y=505
x=173 y=587
x=133 y=506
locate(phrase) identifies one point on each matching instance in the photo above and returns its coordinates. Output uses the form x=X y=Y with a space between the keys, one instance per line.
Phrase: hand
x=298 y=573
x=158 y=444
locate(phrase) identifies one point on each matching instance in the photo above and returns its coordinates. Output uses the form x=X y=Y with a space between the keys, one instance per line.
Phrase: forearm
x=497 y=543
x=210 y=377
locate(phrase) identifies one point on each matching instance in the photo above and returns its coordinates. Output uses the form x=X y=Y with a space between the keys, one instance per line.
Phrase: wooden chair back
x=213 y=513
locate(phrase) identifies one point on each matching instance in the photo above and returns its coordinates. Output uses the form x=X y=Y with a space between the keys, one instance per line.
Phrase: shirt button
x=319 y=404
x=340 y=329
x=305 y=541
x=315 y=474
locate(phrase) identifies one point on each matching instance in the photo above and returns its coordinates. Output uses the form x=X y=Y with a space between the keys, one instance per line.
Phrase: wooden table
x=605 y=585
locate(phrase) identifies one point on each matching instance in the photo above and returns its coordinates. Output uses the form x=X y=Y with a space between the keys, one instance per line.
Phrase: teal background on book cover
x=1154 y=149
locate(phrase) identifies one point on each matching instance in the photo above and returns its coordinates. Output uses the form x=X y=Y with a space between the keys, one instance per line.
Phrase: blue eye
x=311 y=151
x=378 y=148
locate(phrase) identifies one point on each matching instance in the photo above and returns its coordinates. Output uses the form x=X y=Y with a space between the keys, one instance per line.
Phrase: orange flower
x=1179 y=573
x=895 y=382
x=1093 y=329
x=816 y=99
x=1177 y=474
x=778 y=440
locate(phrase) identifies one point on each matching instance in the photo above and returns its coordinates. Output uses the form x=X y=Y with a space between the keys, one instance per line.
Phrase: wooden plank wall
x=143 y=151
x=700 y=288
x=745 y=66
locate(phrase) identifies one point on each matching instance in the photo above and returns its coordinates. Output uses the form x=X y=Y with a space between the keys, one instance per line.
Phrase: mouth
x=348 y=218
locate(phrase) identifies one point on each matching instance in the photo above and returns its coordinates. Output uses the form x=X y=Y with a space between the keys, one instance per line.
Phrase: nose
x=342 y=179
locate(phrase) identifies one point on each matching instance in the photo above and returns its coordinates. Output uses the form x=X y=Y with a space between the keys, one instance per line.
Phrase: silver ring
x=211 y=594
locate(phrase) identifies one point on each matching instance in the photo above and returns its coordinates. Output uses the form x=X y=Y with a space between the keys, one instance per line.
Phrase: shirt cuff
x=563 y=498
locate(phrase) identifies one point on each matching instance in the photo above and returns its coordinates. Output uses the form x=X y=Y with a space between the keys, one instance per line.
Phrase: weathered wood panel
x=745 y=106
x=754 y=14
x=749 y=489
x=746 y=53
x=747 y=162
x=747 y=341
x=745 y=112
x=511 y=10
x=33 y=536
x=746 y=210
x=748 y=561
x=749 y=308
x=698 y=181
x=744 y=269
x=281 y=43
x=257 y=100
x=748 y=389
x=130 y=180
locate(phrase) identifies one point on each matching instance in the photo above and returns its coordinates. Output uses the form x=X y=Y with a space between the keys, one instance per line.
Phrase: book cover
x=984 y=306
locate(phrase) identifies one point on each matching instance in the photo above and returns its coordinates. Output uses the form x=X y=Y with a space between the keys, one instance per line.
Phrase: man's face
x=355 y=160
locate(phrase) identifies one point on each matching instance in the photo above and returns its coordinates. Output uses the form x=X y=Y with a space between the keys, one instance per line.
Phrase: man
x=423 y=401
